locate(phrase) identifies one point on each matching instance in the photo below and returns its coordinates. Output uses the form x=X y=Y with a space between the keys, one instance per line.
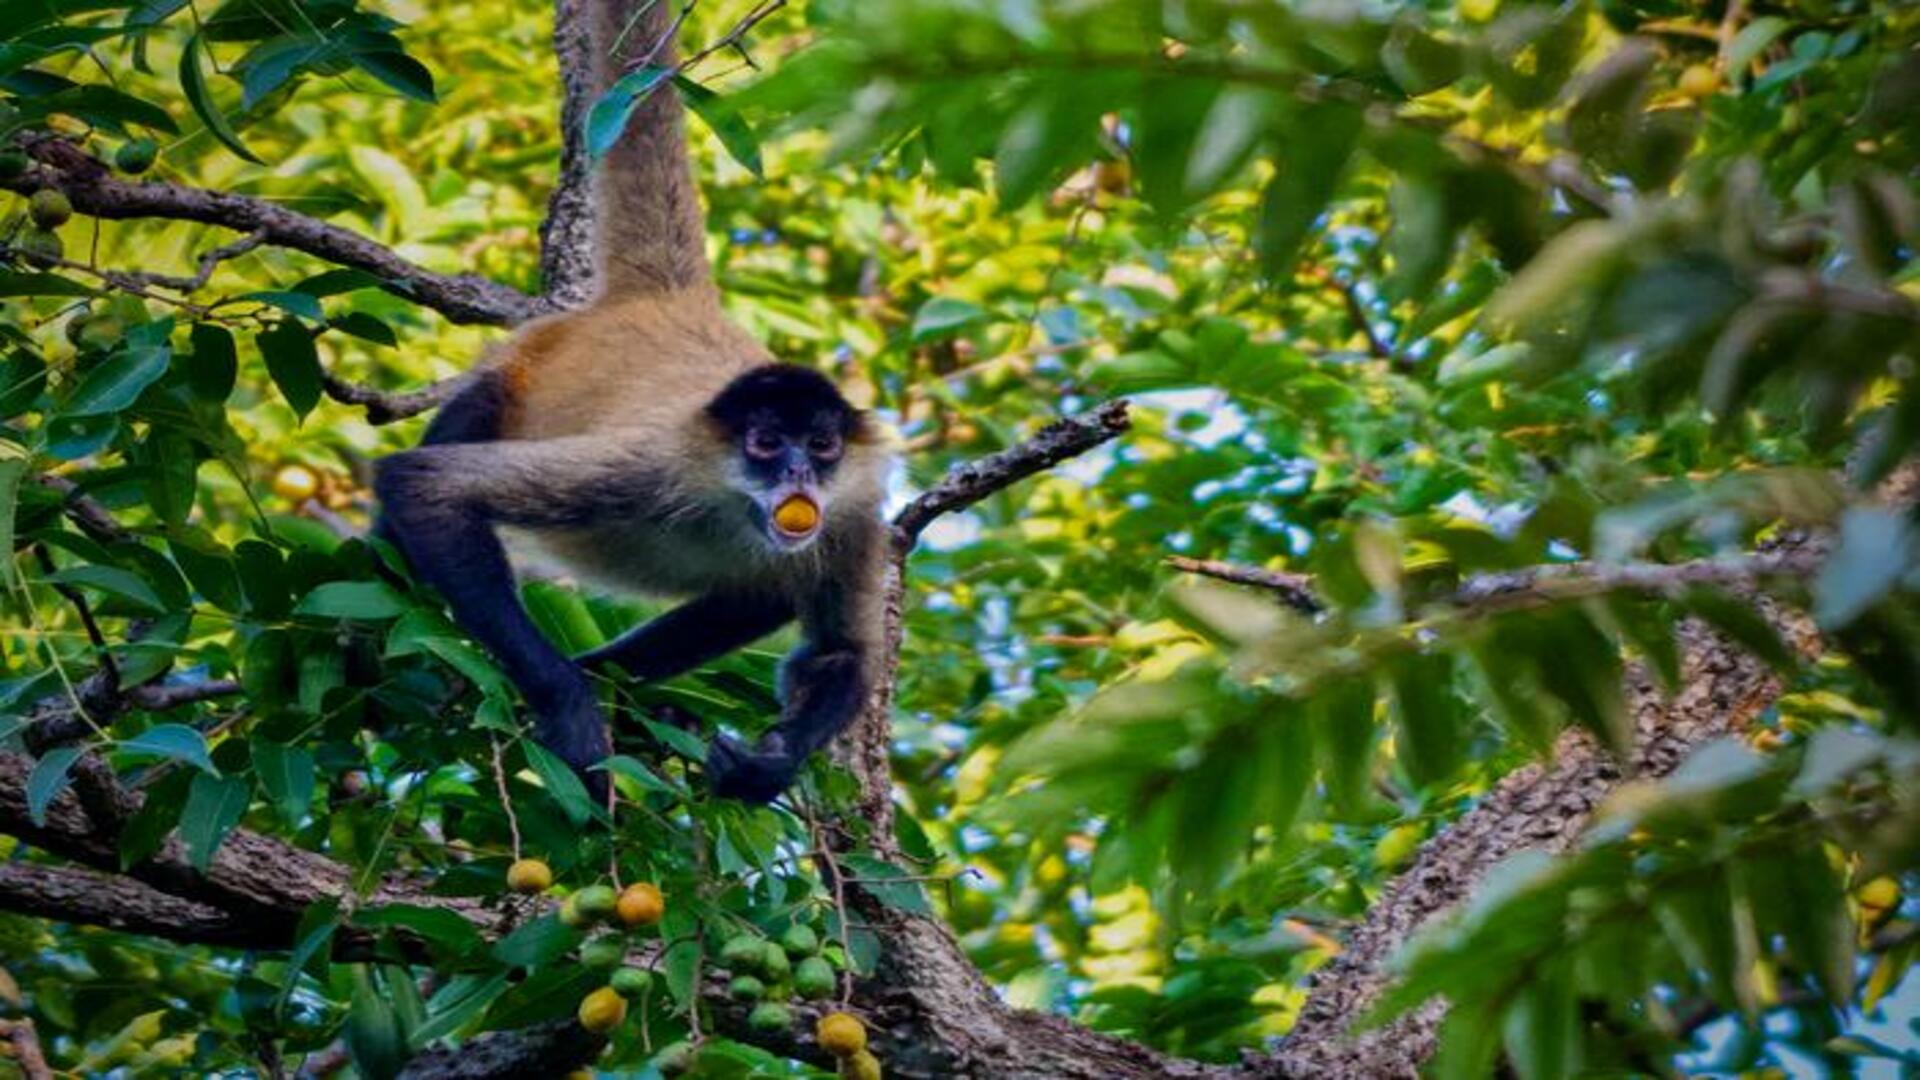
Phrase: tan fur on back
x=647 y=362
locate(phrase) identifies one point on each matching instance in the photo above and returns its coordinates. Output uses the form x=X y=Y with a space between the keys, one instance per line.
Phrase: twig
x=506 y=800
x=204 y=273
x=972 y=481
x=1294 y=590
x=85 y=511
x=385 y=407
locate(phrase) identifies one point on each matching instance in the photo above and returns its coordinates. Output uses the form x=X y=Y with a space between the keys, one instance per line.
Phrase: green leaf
x=119 y=381
x=214 y=365
x=1740 y=622
x=176 y=741
x=560 y=782
x=214 y=806
x=1343 y=742
x=374 y=1035
x=1752 y=40
x=292 y=301
x=13 y=469
x=293 y=363
x=1430 y=739
x=49 y=778
x=887 y=883
x=365 y=327
x=460 y=1000
x=1317 y=146
x=287 y=775
x=113 y=581
x=193 y=82
x=943 y=316
x=370 y=600
x=101 y=106
x=442 y=927
x=537 y=942
x=1876 y=551
x=684 y=743
x=399 y=71
x=18 y=284
x=608 y=117
x=728 y=125
x=647 y=779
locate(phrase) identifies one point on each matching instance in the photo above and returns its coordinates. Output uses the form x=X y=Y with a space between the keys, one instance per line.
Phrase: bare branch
x=973 y=481
x=388 y=406
x=85 y=511
x=463 y=298
x=1536 y=586
x=1294 y=590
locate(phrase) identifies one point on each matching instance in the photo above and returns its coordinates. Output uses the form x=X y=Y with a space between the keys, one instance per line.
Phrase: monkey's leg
x=442 y=503
x=825 y=689
x=692 y=634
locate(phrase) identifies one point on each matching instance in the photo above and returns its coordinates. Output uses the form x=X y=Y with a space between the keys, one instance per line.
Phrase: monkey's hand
x=574 y=729
x=756 y=775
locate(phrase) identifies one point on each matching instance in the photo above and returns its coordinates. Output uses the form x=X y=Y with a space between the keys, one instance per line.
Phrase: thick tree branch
x=68 y=894
x=463 y=298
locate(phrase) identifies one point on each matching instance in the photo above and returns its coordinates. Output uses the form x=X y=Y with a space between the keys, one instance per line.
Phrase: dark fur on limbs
x=451 y=545
x=443 y=501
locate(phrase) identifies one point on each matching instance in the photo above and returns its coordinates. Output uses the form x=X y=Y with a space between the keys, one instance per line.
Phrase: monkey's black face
x=790 y=427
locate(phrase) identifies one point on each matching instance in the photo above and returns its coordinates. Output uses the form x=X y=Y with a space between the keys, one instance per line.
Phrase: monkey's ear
x=869 y=430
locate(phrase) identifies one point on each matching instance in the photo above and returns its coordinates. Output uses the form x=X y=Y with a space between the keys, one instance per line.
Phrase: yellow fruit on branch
x=1699 y=81
x=641 y=904
x=602 y=1010
x=841 y=1035
x=295 y=483
x=860 y=1066
x=529 y=876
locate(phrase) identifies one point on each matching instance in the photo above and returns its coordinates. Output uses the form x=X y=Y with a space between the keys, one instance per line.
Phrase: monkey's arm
x=824 y=685
x=440 y=504
x=693 y=633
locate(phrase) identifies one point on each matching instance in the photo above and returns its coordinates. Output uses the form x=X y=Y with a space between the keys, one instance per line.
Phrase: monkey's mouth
x=796 y=519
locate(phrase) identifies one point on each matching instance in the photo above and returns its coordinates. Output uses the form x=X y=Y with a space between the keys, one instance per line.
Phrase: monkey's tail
x=650 y=233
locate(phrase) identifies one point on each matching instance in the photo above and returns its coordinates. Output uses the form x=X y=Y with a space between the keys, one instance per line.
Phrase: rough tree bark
x=933 y=1013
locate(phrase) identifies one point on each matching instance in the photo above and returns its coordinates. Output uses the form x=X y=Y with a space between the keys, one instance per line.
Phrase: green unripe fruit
x=800 y=941
x=741 y=953
x=604 y=953
x=77 y=327
x=596 y=901
x=39 y=246
x=571 y=915
x=770 y=1017
x=50 y=209
x=774 y=963
x=675 y=1060
x=136 y=156
x=813 y=979
x=101 y=332
x=631 y=982
x=747 y=988
x=14 y=164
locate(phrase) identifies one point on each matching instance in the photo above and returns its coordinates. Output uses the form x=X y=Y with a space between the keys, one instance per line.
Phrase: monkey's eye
x=824 y=447
x=764 y=444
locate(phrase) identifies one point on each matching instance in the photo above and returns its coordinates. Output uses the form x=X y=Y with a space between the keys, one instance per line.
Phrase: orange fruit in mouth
x=797 y=516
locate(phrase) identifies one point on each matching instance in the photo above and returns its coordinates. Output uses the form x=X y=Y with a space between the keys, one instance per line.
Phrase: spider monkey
x=648 y=443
